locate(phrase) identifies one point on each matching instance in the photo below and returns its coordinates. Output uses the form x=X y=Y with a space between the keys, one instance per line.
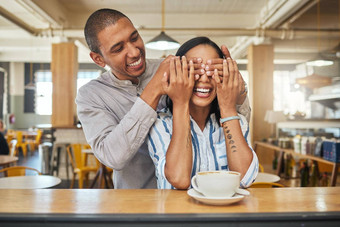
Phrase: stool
x=55 y=158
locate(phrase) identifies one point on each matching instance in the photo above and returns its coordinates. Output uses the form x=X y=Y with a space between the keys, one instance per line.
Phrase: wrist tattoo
x=230 y=138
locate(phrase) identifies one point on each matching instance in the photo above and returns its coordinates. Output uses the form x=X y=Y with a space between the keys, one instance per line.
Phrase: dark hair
x=188 y=45
x=99 y=20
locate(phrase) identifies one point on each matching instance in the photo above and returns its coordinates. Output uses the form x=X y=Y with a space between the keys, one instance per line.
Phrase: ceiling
x=295 y=28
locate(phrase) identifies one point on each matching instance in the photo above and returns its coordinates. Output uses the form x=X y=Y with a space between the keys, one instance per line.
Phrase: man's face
x=122 y=50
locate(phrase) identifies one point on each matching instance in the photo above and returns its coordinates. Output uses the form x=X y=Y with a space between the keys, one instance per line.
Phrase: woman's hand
x=217 y=63
x=228 y=87
x=179 y=85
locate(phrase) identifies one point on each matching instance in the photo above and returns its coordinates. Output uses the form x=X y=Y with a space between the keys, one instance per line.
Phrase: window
x=287 y=96
x=43 y=99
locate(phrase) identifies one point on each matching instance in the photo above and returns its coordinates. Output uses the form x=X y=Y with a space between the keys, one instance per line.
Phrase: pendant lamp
x=319 y=60
x=162 y=41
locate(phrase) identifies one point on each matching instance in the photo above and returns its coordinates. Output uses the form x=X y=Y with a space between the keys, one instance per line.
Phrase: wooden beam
x=64 y=69
x=261 y=70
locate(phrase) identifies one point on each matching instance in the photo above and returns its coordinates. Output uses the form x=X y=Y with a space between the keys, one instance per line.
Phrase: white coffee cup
x=216 y=183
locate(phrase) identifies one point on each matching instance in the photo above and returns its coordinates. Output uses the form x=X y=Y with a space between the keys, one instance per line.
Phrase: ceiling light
x=319 y=61
x=162 y=41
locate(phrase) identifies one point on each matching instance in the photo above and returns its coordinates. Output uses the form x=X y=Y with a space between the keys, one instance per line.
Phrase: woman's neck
x=200 y=115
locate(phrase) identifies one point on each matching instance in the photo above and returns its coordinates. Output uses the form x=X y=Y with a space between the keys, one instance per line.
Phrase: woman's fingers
x=185 y=73
x=172 y=71
x=225 y=72
x=191 y=73
x=231 y=70
x=165 y=82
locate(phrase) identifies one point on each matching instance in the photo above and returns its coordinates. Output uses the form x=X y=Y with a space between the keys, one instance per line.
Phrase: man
x=118 y=108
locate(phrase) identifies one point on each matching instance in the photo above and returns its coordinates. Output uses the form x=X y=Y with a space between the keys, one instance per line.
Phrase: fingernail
x=209 y=62
x=203 y=65
x=209 y=73
x=225 y=61
x=202 y=71
x=228 y=58
x=199 y=59
x=207 y=67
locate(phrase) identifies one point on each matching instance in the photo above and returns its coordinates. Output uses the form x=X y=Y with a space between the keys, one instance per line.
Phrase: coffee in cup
x=216 y=183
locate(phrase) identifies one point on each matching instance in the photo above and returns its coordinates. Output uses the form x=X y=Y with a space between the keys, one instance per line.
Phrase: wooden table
x=29 y=182
x=335 y=165
x=6 y=160
x=151 y=207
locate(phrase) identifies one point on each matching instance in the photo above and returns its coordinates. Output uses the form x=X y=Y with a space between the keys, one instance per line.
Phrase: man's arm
x=116 y=135
x=114 y=141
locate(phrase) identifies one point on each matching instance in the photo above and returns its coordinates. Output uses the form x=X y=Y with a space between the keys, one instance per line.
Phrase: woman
x=200 y=130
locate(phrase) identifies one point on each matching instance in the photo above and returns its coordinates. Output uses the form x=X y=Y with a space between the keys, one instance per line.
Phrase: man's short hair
x=98 y=21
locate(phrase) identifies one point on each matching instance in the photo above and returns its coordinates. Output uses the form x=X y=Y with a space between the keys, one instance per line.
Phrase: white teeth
x=202 y=90
x=136 y=63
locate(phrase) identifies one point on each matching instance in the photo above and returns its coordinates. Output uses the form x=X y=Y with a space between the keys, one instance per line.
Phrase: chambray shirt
x=208 y=148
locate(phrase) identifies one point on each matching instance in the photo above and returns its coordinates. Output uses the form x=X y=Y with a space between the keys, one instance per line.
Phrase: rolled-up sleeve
x=253 y=169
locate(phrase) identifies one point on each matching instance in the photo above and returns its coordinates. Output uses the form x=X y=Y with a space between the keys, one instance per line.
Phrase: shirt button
x=126 y=82
x=152 y=119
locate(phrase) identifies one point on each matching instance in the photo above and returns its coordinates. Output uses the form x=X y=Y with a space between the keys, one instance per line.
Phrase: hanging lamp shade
x=314 y=81
x=162 y=41
x=319 y=61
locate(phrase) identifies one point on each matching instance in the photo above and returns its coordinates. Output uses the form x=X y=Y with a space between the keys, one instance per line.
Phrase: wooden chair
x=18 y=171
x=20 y=144
x=34 y=144
x=77 y=161
x=261 y=168
x=266 y=185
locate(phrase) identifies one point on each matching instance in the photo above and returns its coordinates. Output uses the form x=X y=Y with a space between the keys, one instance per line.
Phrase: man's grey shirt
x=116 y=122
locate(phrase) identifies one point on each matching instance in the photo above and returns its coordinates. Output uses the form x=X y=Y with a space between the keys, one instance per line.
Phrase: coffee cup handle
x=242 y=191
x=194 y=184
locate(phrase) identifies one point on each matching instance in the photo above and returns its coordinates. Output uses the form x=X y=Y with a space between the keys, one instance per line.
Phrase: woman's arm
x=239 y=154
x=179 y=154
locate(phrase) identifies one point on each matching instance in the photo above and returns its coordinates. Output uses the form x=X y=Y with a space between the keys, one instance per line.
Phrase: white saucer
x=214 y=200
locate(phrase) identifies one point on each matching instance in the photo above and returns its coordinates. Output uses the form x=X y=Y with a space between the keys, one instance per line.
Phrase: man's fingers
x=225 y=51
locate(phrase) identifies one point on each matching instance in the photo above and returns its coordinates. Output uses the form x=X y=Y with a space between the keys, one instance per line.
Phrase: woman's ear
x=98 y=59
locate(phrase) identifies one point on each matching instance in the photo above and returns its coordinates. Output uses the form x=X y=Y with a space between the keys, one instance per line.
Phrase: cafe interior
x=288 y=53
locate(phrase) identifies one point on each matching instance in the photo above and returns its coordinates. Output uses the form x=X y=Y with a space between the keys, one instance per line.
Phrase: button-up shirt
x=208 y=148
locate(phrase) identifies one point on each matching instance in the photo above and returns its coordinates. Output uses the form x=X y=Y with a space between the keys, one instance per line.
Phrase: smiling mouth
x=136 y=63
x=202 y=90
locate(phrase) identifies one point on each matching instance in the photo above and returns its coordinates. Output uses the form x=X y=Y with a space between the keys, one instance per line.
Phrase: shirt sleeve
x=253 y=169
x=115 y=142
x=245 y=109
x=158 y=142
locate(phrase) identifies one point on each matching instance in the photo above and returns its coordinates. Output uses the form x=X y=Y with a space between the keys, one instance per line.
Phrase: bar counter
x=151 y=207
